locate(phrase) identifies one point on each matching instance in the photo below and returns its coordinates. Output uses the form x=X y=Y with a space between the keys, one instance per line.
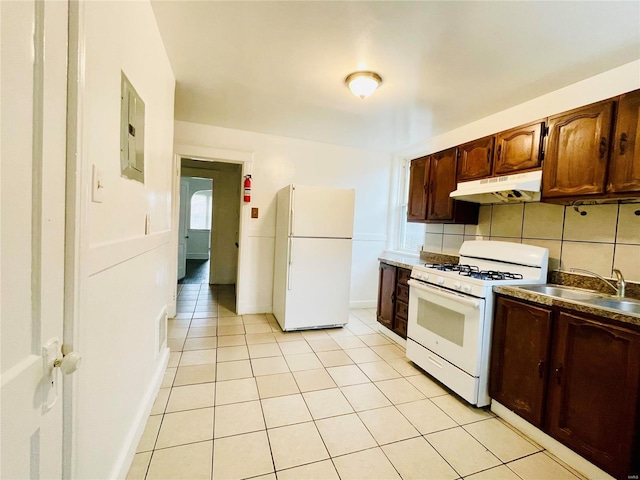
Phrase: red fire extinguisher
x=247 y=188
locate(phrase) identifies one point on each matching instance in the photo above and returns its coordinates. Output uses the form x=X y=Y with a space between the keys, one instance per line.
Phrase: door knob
x=69 y=363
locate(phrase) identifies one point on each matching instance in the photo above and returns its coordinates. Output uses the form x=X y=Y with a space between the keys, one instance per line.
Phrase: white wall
x=279 y=161
x=599 y=87
x=198 y=241
x=124 y=281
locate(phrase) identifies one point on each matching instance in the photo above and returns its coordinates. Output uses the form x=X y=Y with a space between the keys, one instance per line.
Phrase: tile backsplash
x=603 y=237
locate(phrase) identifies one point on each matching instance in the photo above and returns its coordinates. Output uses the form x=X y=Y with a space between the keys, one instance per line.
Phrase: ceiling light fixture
x=363 y=84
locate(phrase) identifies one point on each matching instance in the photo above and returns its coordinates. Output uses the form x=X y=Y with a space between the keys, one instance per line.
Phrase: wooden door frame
x=205 y=154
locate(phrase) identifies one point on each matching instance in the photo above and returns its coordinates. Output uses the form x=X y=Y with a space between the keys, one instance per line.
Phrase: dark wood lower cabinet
x=386 y=295
x=519 y=353
x=574 y=376
x=393 y=298
x=593 y=391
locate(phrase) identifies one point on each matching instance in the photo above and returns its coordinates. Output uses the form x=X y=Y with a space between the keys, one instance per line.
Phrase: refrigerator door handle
x=293 y=218
x=289 y=265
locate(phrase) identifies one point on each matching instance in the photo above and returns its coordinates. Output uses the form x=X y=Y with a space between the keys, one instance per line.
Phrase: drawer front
x=400 y=327
x=403 y=275
x=402 y=310
x=402 y=293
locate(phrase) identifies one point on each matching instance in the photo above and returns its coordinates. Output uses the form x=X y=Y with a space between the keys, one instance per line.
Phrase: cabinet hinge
x=545 y=131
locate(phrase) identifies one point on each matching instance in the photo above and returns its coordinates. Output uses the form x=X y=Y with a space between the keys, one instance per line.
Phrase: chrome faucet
x=622 y=284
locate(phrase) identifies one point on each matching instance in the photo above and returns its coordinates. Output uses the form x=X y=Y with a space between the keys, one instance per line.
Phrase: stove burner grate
x=473 y=271
x=493 y=275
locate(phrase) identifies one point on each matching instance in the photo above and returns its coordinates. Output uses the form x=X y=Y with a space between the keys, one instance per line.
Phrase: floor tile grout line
x=386 y=360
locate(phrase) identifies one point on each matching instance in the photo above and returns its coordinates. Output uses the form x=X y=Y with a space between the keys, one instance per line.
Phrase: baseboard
x=392 y=335
x=251 y=309
x=121 y=468
x=550 y=444
x=197 y=256
x=363 y=304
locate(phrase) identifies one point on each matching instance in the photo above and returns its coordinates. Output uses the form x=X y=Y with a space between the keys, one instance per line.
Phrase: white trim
x=207 y=154
x=128 y=451
x=197 y=256
x=76 y=248
x=363 y=304
x=110 y=254
x=244 y=309
x=554 y=447
x=392 y=335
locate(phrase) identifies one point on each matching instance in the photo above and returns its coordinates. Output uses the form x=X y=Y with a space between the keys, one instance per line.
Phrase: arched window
x=200 y=218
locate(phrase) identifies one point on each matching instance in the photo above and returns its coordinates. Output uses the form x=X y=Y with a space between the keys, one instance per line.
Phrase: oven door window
x=448 y=324
x=441 y=321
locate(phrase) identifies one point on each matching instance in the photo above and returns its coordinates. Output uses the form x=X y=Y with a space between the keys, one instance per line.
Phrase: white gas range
x=451 y=311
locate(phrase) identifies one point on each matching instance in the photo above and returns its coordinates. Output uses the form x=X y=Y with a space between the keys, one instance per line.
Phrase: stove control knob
x=440 y=281
x=457 y=285
x=467 y=288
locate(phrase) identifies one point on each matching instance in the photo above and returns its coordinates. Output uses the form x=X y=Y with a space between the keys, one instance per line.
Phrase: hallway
x=197 y=271
x=242 y=399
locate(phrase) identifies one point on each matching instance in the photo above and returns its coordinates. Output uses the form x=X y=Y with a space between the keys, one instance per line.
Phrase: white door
x=32 y=205
x=182 y=232
x=322 y=212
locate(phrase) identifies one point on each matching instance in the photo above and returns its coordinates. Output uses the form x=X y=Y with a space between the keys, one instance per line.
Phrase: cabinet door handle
x=623 y=143
x=498 y=152
x=393 y=296
x=540 y=368
x=489 y=156
x=559 y=374
x=603 y=147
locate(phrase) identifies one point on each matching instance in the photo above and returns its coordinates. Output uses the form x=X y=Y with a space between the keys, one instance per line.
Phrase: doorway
x=196 y=219
x=209 y=228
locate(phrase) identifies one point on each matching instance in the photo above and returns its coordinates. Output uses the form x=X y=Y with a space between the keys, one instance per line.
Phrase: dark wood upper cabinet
x=475 y=159
x=593 y=391
x=418 y=184
x=578 y=152
x=519 y=358
x=624 y=166
x=518 y=149
x=442 y=181
x=432 y=179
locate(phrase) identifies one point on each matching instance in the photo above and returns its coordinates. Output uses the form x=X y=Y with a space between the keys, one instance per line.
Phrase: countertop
x=409 y=261
x=402 y=261
x=618 y=317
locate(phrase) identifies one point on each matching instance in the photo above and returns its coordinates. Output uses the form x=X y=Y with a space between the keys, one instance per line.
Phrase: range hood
x=519 y=187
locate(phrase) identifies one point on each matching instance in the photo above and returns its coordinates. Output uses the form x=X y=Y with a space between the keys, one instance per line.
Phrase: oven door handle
x=464 y=300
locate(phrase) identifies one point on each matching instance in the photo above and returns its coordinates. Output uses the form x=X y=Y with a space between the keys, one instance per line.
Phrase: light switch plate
x=254 y=212
x=97 y=185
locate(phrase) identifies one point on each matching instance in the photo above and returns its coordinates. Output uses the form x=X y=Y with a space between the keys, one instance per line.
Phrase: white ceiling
x=279 y=67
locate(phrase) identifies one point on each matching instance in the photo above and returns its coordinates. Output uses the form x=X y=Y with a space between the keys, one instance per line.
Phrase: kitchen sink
x=569 y=293
x=619 y=304
x=590 y=297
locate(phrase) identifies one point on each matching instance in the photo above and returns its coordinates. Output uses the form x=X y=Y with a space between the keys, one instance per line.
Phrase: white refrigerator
x=312 y=271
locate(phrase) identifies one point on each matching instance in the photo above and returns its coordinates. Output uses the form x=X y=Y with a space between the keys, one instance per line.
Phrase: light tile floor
x=242 y=399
